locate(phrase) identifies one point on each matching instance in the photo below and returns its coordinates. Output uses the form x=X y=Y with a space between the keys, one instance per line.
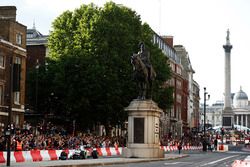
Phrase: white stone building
x=213 y=114
x=240 y=108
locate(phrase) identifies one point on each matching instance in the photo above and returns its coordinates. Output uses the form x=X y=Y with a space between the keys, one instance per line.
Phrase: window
x=17 y=97
x=178 y=84
x=2 y=65
x=16 y=81
x=18 y=60
x=172 y=65
x=30 y=35
x=178 y=98
x=178 y=114
x=1 y=94
x=172 y=115
x=178 y=70
x=17 y=119
x=171 y=82
x=19 y=39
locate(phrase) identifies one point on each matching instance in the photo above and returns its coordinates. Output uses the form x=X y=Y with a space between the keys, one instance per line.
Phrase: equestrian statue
x=143 y=72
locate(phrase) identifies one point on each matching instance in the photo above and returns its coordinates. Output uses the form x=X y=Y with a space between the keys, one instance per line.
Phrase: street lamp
x=36 y=89
x=8 y=132
x=206 y=97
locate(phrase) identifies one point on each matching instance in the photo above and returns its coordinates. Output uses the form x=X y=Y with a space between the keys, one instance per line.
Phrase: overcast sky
x=199 y=25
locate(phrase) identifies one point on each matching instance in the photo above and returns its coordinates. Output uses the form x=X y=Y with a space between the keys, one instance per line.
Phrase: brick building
x=12 y=61
x=173 y=119
x=196 y=106
x=188 y=84
x=181 y=117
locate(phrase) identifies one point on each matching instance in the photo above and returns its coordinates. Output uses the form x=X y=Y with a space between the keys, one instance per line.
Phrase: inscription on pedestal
x=227 y=121
x=138 y=130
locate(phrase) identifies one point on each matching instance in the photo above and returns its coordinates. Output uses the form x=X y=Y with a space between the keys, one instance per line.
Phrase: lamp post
x=36 y=91
x=205 y=99
x=8 y=132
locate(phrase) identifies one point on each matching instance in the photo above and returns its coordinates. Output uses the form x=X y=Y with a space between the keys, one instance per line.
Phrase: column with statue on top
x=227 y=114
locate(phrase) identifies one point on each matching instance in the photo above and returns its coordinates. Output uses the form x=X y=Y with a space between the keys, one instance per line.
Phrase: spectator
x=19 y=145
x=215 y=144
x=180 y=147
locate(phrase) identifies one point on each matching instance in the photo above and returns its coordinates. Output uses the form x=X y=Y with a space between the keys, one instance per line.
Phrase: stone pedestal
x=143 y=130
x=227 y=118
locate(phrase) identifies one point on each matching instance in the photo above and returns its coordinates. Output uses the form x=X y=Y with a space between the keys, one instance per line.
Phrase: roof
x=33 y=33
x=34 y=37
x=241 y=95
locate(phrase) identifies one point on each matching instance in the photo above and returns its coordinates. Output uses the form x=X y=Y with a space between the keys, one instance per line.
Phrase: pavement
x=96 y=162
x=246 y=149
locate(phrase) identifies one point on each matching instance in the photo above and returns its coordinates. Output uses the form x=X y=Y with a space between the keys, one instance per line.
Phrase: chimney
x=169 y=40
x=8 y=13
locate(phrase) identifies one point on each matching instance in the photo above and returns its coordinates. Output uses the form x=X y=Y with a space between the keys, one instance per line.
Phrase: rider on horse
x=145 y=57
x=143 y=72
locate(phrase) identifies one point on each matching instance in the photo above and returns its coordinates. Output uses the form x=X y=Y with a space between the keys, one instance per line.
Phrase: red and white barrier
x=109 y=151
x=34 y=155
x=222 y=147
x=241 y=163
x=49 y=155
x=174 y=148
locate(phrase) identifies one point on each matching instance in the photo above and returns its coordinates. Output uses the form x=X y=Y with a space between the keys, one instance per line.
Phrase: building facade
x=177 y=119
x=213 y=114
x=195 y=122
x=240 y=108
x=12 y=68
x=188 y=78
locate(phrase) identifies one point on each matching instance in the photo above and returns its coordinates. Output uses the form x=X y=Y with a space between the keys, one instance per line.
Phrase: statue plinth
x=143 y=130
x=227 y=118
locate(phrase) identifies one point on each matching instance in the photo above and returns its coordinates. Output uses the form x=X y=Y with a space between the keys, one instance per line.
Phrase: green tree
x=41 y=97
x=91 y=49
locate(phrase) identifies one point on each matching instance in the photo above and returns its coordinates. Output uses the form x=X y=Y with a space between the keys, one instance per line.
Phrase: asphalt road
x=194 y=160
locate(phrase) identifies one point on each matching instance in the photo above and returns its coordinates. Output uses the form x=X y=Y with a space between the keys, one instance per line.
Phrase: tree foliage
x=90 y=70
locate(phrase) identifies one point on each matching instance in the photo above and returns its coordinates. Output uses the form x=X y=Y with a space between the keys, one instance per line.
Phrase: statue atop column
x=143 y=72
x=228 y=39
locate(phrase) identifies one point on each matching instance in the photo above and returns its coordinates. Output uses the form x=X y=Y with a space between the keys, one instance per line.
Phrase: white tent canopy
x=238 y=127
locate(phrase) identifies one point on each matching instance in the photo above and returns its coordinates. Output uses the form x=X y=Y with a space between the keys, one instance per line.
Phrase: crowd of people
x=55 y=137
x=48 y=136
x=186 y=139
x=209 y=142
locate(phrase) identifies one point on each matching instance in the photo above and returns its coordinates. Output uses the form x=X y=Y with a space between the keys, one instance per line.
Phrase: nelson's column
x=227 y=114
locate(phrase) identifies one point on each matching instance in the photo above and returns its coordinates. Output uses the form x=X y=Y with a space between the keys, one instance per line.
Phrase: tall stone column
x=227 y=120
x=237 y=119
x=241 y=122
x=246 y=119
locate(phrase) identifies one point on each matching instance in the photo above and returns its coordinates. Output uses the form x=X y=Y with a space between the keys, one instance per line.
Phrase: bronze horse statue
x=144 y=77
